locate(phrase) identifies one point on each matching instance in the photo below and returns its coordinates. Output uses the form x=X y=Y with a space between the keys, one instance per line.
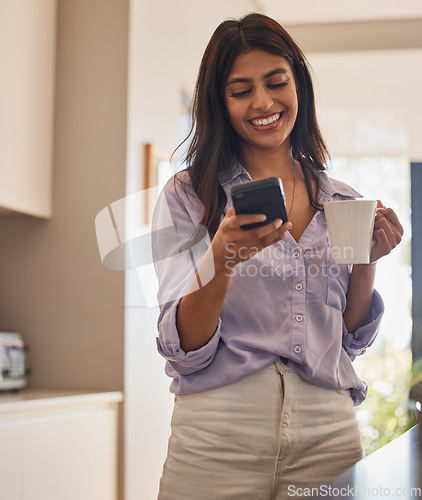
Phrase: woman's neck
x=262 y=163
x=265 y=165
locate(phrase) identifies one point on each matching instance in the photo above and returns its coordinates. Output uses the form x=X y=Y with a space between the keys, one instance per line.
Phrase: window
x=386 y=366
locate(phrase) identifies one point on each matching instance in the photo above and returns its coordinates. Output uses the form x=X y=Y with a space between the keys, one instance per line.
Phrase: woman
x=259 y=348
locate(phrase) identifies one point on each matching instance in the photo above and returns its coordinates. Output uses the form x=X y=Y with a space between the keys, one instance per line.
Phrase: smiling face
x=261 y=100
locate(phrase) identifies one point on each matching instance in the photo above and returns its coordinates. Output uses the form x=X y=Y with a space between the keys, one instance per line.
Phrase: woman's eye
x=277 y=85
x=239 y=94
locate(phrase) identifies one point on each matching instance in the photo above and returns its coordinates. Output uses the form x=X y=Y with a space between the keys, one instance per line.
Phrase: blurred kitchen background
x=85 y=85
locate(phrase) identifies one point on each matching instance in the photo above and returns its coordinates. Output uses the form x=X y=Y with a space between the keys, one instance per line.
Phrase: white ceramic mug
x=351 y=226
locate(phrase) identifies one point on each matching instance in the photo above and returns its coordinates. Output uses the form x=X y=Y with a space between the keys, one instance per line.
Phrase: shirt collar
x=229 y=176
x=328 y=188
x=333 y=189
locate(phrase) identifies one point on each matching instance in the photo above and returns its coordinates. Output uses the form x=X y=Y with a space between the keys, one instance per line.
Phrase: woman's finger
x=380 y=245
x=236 y=221
x=391 y=216
x=393 y=232
x=383 y=225
x=278 y=234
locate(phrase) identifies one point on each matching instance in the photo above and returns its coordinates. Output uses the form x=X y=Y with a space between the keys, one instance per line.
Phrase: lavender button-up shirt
x=288 y=300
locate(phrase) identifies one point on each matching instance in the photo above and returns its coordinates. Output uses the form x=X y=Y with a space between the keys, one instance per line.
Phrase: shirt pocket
x=326 y=281
x=338 y=282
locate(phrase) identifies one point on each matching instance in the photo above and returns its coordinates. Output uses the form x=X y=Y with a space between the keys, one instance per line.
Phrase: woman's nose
x=262 y=100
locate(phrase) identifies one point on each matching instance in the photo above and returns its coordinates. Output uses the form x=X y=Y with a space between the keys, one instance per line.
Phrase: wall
x=53 y=287
x=369 y=102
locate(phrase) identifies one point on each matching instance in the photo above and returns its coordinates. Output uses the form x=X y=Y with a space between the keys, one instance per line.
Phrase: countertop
x=33 y=400
x=393 y=471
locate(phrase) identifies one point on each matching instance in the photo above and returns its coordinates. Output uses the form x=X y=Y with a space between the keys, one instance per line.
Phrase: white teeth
x=266 y=121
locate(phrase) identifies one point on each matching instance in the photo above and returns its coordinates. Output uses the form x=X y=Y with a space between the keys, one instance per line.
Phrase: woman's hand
x=387 y=232
x=232 y=244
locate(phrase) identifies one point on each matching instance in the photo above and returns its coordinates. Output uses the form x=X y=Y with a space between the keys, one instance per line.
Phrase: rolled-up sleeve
x=168 y=344
x=176 y=262
x=357 y=342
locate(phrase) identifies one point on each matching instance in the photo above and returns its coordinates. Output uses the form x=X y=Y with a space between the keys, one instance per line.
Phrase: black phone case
x=265 y=196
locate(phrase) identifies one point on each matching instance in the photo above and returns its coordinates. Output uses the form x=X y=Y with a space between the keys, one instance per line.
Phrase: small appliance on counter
x=13 y=367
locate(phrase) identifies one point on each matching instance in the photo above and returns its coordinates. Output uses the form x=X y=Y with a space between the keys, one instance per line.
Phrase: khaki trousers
x=260 y=438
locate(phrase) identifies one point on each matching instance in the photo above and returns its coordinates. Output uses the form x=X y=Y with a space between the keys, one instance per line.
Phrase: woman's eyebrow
x=267 y=75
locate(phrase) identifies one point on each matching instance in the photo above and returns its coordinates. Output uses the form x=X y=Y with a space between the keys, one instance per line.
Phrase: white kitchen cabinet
x=10 y=461
x=27 y=61
x=59 y=446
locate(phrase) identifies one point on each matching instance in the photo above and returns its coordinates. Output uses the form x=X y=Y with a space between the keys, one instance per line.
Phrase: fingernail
x=289 y=225
x=278 y=223
x=261 y=217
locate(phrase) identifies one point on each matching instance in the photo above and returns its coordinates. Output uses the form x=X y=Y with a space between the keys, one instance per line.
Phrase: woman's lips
x=268 y=122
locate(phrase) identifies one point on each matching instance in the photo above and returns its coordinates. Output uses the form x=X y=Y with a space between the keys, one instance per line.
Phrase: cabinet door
x=71 y=456
x=27 y=55
x=11 y=461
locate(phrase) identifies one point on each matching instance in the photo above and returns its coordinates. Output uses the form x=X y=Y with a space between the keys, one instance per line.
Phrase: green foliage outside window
x=386 y=413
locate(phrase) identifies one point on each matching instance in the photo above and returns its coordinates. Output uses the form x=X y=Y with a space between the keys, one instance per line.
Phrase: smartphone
x=265 y=196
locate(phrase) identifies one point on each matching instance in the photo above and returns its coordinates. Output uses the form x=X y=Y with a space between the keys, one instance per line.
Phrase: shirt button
x=296 y=255
x=299 y=287
x=298 y=349
x=299 y=318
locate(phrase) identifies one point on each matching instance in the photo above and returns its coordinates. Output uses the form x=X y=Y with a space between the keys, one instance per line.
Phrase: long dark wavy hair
x=215 y=146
